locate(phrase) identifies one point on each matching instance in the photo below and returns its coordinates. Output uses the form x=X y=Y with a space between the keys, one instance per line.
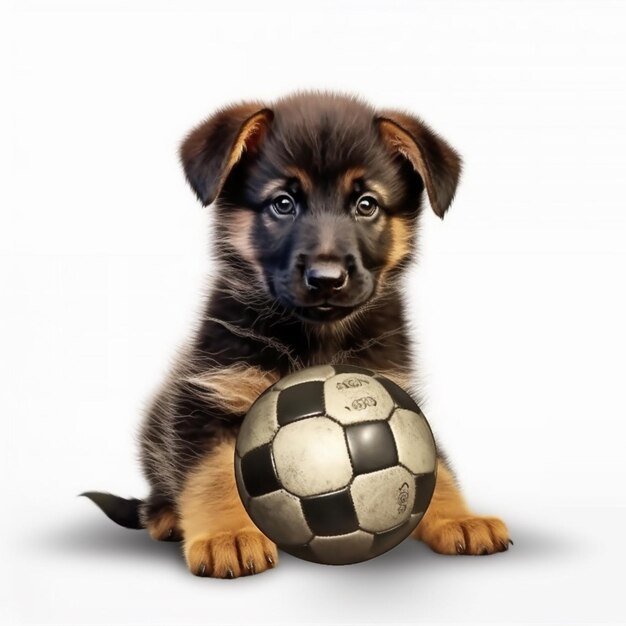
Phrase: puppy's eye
x=367 y=207
x=283 y=205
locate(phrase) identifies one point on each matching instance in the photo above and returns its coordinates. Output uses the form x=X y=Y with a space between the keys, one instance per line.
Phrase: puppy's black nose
x=325 y=277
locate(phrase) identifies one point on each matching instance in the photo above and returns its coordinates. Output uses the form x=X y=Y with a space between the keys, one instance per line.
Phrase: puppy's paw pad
x=231 y=554
x=467 y=535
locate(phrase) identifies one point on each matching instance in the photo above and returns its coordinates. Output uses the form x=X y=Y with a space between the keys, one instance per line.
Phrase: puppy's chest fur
x=237 y=352
x=233 y=333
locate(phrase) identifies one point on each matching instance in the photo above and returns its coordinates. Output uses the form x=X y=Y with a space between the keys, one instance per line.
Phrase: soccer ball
x=335 y=464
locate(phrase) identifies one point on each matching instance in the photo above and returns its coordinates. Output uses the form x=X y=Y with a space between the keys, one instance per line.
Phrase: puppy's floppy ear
x=437 y=163
x=212 y=149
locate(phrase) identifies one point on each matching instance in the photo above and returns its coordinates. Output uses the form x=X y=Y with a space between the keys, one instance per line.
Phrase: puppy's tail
x=122 y=511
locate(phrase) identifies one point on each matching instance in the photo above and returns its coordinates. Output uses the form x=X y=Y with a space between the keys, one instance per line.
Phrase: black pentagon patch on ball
x=390 y=538
x=400 y=397
x=257 y=471
x=371 y=446
x=424 y=487
x=330 y=514
x=299 y=401
x=352 y=369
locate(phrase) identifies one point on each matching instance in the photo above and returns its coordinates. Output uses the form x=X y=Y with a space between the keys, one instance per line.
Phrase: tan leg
x=220 y=539
x=449 y=527
x=164 y=526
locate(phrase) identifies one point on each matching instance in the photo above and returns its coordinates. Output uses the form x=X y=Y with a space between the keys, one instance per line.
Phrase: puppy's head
x=318 y=196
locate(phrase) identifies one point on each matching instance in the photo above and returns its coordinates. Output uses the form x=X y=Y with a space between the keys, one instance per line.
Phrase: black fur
x=122 y=511
x=257 y=311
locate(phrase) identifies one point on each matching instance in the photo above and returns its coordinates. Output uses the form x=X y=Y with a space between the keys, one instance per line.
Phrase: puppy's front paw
x=231 y=554
x=465 y=535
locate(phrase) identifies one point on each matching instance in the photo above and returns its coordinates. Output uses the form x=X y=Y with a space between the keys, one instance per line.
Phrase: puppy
x=317 y=198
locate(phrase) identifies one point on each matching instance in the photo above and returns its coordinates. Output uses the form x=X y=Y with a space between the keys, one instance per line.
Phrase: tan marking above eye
x=378 y=189
x=368 y=185
x=272 y=186
x=303 y=178
x=283 y=184
x=347 y=179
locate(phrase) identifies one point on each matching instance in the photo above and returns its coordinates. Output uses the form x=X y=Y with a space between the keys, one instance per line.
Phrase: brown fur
x=348 y=178
x=271 y=187
x=220 y=539
x=264 y=318
x=234 y=388
x=437 y=164
x=303 y=178
x=164 y=526
x=381 y=190
x=399 y=377
x=249 y=137
x=399 y=140
x=239 y=236
x=250 y=122
x=401 y=241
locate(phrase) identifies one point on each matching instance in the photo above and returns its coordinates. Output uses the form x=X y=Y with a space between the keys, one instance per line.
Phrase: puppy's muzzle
x=325 y=278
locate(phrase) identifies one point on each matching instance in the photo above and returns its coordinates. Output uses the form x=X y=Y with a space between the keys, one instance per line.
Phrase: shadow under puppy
x=317 y=199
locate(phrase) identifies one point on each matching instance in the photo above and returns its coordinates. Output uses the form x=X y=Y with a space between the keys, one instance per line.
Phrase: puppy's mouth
x=319 y=310
x=323 y=312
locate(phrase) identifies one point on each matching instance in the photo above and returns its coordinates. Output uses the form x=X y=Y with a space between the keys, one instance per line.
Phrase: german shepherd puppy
x=317 y=199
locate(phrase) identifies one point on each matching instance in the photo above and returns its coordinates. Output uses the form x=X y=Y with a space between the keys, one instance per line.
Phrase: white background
x=518 y=300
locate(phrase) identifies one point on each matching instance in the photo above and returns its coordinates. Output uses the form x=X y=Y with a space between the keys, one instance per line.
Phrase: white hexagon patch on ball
x=335 y=464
